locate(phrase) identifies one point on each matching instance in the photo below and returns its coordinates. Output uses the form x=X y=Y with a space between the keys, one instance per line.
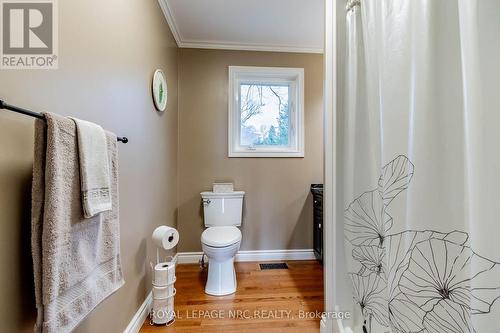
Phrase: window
x=266 y=112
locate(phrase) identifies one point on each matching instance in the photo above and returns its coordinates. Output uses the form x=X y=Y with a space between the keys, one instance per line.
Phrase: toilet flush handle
x=206 y=202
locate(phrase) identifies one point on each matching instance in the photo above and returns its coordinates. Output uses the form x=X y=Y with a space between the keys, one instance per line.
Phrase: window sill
x=262 y=153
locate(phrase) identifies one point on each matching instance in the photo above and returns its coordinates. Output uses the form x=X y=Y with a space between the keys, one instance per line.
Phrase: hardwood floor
x=266 y=301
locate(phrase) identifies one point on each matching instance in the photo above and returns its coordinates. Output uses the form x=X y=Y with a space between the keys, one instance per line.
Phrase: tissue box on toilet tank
x=222 y=187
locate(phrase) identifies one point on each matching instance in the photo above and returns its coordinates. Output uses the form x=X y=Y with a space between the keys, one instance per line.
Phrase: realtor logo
x=29 y=34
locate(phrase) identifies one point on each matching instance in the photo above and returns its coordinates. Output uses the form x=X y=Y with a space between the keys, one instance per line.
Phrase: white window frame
x=263 y=75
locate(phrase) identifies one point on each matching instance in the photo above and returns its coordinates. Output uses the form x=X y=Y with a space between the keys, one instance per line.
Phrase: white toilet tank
x=222 y=209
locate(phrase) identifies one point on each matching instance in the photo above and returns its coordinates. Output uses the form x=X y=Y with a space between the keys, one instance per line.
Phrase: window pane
x=265 y=117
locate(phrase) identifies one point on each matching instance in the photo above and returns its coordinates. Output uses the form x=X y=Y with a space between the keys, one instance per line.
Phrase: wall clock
x=160 y=90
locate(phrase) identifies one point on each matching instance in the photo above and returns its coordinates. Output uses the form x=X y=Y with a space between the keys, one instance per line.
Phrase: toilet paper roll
x=164 y=291
x=164 y=274
x=163 y=310
x=165 y=237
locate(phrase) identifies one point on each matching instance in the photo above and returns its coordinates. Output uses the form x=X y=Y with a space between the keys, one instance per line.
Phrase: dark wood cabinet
x=317 y=192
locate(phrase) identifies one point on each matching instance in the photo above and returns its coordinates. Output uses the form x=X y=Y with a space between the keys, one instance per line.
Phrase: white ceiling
x=258 y=25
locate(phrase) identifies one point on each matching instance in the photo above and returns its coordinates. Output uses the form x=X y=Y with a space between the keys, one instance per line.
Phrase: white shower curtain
x=421 y=173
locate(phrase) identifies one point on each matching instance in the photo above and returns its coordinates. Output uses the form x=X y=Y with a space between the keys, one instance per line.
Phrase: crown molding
x=170 y=20
x=247 y=47
x=220 y=45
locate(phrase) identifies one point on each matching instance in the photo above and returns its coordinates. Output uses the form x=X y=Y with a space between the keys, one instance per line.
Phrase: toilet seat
x=221 y=236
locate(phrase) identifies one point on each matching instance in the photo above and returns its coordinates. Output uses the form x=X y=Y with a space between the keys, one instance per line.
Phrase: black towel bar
x=30 y=113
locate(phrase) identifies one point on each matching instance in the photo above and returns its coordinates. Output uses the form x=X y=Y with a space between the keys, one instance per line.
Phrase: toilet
x=221 y=240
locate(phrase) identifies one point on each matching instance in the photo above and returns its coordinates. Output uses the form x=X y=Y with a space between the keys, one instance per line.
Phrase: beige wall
x=108 y=51
x=278 y=207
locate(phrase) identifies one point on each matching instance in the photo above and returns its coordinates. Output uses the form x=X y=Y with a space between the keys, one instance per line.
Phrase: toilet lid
x=221 y=236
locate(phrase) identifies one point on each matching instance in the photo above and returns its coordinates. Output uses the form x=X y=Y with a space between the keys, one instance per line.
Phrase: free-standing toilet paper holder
x=163 y=277
x=165 y=314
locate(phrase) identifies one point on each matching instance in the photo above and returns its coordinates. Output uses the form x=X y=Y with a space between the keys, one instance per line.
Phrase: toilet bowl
x=221 y=240
x=220 y=244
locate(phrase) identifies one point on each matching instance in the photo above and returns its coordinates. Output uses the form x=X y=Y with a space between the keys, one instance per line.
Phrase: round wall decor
x=160 y=90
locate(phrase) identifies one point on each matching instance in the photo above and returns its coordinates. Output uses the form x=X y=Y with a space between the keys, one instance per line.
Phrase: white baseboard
x=140 y=316
x=258 y=255
x=188 y=257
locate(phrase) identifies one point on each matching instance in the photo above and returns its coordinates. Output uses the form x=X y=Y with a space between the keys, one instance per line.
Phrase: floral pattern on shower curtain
x=421 y=157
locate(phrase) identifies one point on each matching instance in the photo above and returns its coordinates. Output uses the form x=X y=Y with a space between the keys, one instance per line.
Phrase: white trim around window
x=291 y=77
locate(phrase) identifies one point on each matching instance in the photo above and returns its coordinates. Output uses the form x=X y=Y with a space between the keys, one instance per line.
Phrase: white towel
x=94 y=168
